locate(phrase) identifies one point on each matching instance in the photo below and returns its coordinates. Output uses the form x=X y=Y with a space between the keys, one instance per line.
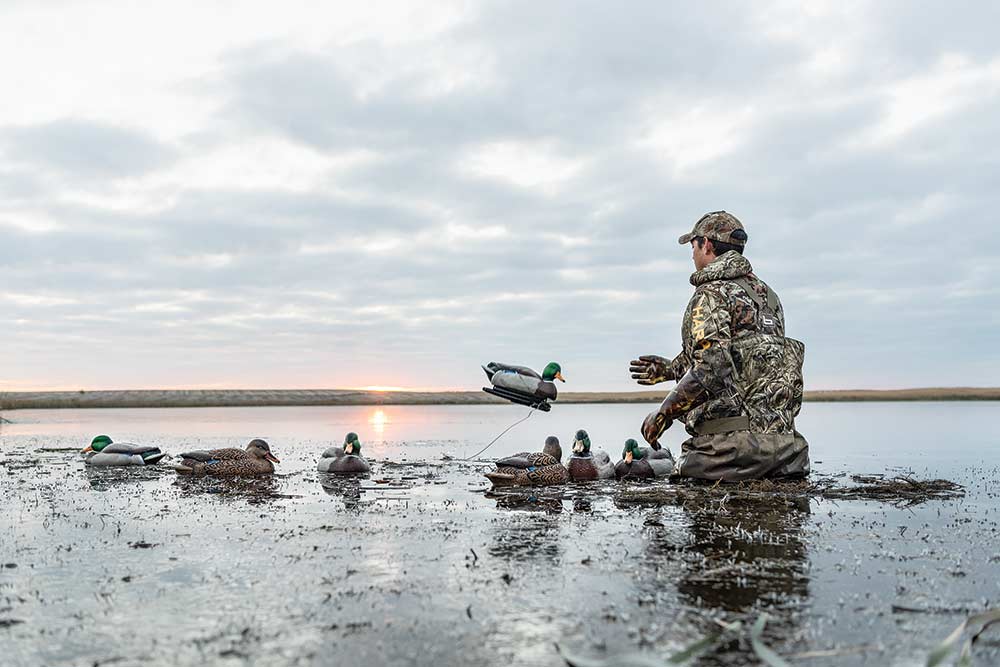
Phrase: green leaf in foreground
x=643 y=660
x=760 y=648
x=626 y=660
x=941 y=651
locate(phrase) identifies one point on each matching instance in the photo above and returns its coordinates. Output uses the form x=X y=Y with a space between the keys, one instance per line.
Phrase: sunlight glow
x=378 y=420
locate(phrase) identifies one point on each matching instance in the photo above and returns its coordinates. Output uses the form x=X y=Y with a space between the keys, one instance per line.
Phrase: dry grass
x=197 y=398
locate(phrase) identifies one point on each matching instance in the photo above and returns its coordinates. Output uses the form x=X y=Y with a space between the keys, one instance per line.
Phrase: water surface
x=419 y=565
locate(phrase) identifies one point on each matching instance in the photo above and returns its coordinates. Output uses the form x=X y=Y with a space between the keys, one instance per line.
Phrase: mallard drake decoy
x=532 y=468
x=256 y=459
x=585 y=464
x=522 y=385
x=644 y=462
x=103 y=452
x=344 y=459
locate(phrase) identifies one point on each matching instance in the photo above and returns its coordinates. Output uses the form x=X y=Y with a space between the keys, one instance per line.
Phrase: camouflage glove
x=650 y=369
x=687 y=394
x=653 y=427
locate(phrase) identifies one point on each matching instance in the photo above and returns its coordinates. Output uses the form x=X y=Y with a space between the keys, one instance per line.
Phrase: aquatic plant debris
x=981 y=621
x=901 y=491
x=683 y=656
x=763 y=651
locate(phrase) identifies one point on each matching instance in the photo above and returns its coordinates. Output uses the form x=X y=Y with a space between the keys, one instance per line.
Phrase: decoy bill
x=522 y=385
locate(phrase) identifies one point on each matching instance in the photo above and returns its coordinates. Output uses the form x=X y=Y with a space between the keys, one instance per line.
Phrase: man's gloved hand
x=650 y=369
x=653 y=427
x=687 y=394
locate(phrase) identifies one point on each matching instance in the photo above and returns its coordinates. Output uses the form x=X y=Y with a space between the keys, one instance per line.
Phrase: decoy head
x=553 y=372
x=97 y=444
x=351 y=444
x=631 y=451
x=552 y=448
x=581 y=442
x=260 y=449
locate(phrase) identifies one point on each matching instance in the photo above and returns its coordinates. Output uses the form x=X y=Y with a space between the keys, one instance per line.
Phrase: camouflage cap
x=718 y=226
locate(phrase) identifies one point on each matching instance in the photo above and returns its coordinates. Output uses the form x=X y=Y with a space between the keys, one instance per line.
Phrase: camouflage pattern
x=718 y=226
x=737 y=351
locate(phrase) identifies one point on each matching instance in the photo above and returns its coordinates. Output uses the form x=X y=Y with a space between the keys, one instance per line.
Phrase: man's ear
x=709 y=247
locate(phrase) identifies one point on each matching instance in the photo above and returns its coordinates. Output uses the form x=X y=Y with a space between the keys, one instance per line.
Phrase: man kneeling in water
x=739 y=379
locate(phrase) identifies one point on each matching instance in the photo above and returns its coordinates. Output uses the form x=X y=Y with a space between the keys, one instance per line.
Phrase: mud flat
x=421 y=564
x=282 y=397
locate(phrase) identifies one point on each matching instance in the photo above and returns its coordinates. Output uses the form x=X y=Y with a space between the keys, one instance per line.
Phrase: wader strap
x=723 y=425
x=772 y=298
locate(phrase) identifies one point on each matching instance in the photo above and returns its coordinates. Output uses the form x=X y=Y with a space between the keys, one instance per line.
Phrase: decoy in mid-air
x=521 y=385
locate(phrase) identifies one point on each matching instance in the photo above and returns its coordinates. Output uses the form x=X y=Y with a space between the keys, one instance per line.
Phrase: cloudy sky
x=376 y=194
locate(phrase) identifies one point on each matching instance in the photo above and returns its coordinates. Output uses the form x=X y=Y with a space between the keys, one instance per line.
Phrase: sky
x=327 y=195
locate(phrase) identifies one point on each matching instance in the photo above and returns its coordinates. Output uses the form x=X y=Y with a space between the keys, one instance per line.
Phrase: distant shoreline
x=204 y=398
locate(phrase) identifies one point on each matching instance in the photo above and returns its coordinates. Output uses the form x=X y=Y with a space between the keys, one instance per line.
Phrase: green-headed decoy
x=345 y=459
x=586 y=464
x=523 y=381
x=644 y=462
x=103 y=452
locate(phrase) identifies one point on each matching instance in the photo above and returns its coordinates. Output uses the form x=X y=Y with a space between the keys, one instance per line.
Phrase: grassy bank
x=262 y=397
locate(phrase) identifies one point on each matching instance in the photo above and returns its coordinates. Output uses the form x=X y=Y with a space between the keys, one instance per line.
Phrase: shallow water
x=420 y=565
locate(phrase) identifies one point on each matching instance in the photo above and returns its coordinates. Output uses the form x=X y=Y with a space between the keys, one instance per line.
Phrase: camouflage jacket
x=737 y=350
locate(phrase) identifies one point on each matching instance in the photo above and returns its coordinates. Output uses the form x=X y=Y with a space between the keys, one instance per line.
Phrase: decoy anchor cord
x=530 y=412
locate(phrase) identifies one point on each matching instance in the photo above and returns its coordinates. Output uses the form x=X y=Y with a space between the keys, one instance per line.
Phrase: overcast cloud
x=382 y=194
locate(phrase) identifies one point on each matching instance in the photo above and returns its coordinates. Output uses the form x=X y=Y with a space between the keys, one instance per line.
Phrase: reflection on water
x=113 y=477
x=378 y=420
x=749 y=553
x=534 y=538
x=346 y=487
x=737 y=555
x=527 y=500
x=252 y=490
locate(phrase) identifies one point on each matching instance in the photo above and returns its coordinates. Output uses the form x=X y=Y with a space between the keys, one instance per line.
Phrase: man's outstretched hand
x=650 y=369
x=653 y=427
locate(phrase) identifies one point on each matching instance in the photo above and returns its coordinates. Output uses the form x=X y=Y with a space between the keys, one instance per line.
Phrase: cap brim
x=687 y=238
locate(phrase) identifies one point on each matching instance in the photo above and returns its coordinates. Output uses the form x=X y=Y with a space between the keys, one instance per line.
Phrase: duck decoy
x=256 y=459
x=531 y=468
x=644 y=462
x=585 y=464
x=102 y=451
x=521 y=385
x=345 y=459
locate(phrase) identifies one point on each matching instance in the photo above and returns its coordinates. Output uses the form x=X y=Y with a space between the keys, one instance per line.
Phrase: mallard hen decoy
x=256 y=459
x=532 y=468
x=345 y=459
x=522 y=385
x=644 y=462
x=102 y=451
x=585 y=464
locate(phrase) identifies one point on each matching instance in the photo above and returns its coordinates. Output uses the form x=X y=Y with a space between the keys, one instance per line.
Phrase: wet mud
x=421 y=563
